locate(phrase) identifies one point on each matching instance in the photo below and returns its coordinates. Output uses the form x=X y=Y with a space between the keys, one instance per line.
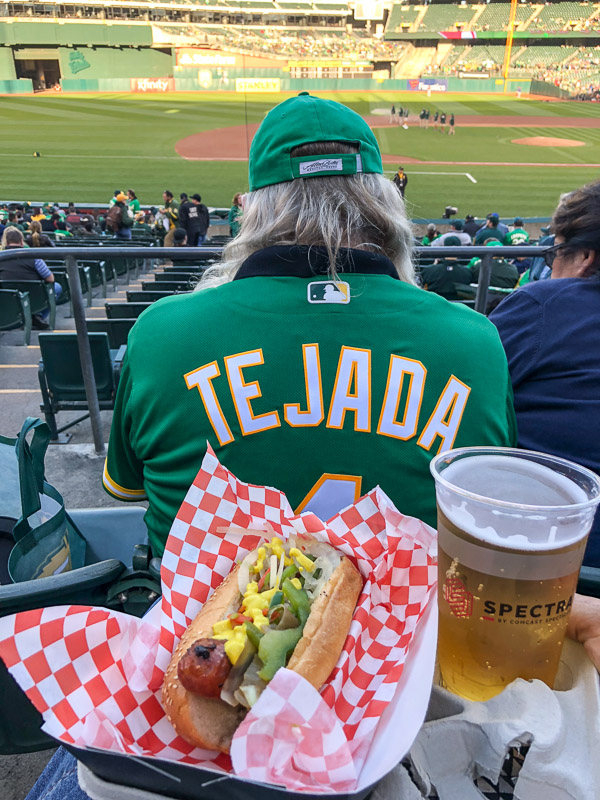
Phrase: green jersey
x=516 y=237
x=134 y=205
x=321 y=389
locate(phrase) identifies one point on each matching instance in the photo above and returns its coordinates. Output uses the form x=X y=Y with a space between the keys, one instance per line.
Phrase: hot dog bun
x=211 y=723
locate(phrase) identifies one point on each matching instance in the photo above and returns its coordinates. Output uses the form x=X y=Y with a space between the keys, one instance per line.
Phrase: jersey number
x=330 y=494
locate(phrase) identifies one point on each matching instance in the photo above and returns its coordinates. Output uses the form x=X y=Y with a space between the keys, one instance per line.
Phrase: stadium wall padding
x=188 y=80
x=85 y=64
x=548 y=90
x=7 y=65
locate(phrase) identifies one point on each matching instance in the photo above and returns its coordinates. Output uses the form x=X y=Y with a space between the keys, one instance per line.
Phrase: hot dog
x=286 y=605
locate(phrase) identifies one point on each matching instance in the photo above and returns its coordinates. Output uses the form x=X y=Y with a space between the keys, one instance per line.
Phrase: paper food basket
x=96 y=675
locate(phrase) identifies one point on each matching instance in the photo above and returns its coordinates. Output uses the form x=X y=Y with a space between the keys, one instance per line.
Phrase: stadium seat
x=15 y=311
x=589 y=581
x=116 y=329
x=173 y=275
x=167 y=286
x=111 y=535
x=147 y=297
x=125 y=310
x=61 y=379
x=41 y=296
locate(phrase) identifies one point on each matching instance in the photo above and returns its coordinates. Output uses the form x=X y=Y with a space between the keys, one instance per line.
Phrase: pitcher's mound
x=549 y=141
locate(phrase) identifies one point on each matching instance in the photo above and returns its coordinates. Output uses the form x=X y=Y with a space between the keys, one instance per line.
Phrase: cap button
x=303 y=94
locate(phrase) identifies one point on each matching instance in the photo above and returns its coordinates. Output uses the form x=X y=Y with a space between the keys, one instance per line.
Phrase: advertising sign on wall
x=427 y=85
x=257 y=84
x=152 y=84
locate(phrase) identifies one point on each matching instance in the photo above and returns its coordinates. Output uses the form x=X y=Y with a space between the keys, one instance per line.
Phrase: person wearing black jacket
x=194 y=218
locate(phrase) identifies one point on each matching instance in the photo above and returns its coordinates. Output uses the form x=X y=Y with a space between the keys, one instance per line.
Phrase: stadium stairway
x=19 y=387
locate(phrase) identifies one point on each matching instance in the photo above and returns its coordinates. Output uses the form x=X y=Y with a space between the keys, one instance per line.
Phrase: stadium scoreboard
x=330 y=69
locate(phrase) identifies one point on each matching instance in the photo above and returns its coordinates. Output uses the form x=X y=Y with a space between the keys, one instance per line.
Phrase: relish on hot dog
x=287 y=604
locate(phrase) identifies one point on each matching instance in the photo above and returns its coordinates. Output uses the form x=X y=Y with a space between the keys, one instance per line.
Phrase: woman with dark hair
x=550 y=331
x=35 y=237
x=133 y=202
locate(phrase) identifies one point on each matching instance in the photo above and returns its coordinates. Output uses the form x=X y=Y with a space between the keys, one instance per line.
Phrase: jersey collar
x=302 y=261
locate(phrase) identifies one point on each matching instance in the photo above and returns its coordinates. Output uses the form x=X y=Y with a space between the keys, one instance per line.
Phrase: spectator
x=113 y=199
x=518 y=235
x=37 y=215
x=431 y=235
x=550 y=331
x=504 y=274
x=493 y=229
x=457 y=232
x=62 y=232
x=179 y=237
x=275 y=260
x=140 y=223
x=446 y=273
x=471 y=225
x=27 y=268
x=235 y=215
x=133 y=202
x=13 y=221
x=35 y=237
x=170 y=211
x=72 y=218
x=194 y=218
x=119 y=219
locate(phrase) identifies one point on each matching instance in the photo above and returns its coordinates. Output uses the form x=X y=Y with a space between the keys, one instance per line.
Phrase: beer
x=512 y=532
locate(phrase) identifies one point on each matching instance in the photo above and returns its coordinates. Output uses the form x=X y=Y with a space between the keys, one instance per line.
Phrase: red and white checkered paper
x=96 y=674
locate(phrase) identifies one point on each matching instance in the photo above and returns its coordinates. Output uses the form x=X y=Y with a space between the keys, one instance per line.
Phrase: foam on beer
x=517 y=481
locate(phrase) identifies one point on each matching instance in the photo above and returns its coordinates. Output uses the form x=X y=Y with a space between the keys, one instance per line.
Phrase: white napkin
x=463 y=740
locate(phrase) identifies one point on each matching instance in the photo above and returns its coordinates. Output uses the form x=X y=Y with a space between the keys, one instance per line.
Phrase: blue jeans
x=58 y=781
x=124 y=233
x=57 y=293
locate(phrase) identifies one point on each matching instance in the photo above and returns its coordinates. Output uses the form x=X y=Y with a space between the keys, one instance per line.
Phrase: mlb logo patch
x=328 y=292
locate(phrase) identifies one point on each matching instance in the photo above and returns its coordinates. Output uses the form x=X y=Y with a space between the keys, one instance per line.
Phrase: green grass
x=93 y=144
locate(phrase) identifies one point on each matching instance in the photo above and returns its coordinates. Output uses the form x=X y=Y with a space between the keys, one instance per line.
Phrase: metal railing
x=109 y=252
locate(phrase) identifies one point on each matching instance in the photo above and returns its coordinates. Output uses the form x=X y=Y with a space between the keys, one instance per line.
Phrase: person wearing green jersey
x=308 y=358
x=518 y=235
x=133 y=202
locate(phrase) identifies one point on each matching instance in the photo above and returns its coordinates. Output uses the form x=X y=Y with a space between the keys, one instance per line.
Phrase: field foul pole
x=509 y=41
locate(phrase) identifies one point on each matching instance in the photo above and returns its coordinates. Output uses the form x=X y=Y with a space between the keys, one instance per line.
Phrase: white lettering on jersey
x=314 y=413
x=447 y=416
x=242 y=393
x=352 y=390
x=416 y=372
x=202 y=378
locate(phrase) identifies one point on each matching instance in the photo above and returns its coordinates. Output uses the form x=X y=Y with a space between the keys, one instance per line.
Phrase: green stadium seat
x=125 y=310
x=116 y=329
x=61 y=379
x=15 y=311
x=147 y=296
x=41 y=296
x=172 y=275
x=167 y=286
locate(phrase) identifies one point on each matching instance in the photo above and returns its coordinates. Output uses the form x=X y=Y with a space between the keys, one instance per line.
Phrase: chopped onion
x=244 y=570
x=273 y=572
x=252 y=687
x=324 y=567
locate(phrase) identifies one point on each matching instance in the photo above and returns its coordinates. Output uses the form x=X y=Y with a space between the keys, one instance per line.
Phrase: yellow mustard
x=302 y=561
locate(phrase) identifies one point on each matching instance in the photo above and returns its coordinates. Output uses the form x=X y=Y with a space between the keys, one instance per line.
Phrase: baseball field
x=513 y=156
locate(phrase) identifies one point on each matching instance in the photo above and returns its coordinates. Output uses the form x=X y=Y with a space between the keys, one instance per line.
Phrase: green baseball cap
x=304 y=120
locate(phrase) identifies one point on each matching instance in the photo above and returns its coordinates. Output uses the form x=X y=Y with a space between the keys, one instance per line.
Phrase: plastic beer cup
x=512 y=531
